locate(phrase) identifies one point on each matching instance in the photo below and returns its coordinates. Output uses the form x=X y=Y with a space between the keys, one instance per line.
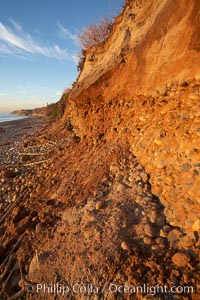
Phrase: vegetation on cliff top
x=93 y=35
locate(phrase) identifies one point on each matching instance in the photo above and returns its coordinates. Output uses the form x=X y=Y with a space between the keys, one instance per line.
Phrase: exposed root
x=7 y=279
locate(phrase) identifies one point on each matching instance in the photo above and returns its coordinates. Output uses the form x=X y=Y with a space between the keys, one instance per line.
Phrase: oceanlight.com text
x=111 y=288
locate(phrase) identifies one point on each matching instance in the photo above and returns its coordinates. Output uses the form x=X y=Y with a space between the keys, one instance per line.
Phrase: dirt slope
x=112 y=197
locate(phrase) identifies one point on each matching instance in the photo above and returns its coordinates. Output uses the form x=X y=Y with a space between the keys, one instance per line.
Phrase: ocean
x=5 y=117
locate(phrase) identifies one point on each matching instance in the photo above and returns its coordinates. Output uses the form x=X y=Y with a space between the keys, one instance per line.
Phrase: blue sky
x=38 y=47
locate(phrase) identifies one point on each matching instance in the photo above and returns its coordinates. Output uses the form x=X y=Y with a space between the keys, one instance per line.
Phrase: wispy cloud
x=67 y=34
x=17 y=42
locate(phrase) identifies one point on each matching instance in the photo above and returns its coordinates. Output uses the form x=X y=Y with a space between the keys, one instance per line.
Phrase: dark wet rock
x=151 y=230
x=186 y=167
x=76 y=139
x=8 y=174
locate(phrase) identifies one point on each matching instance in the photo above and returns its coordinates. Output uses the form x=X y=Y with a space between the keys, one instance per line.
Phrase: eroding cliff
x=138 y=87
x=110 y=194
x=152 y=43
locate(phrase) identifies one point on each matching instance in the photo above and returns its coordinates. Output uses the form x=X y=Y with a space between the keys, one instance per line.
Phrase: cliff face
x=138 y=88
x=152 y=43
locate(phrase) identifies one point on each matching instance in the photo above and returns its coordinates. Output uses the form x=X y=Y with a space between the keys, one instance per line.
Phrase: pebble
x=169 y=180
x=160 y=164
x=175 y=272
x=194 y=97
x=186 y=278
x=8 y=174
x=155 y=94
x=39 y=227
x=172 y=94
x=33 y=267
x=197 y=77
x=150 y=230
x=161 y=242
x=183 y=83
x=152 y=216
x=196 y=225
x=185 y=167
x=180 y=259
x=163 y=92
x=76 y=139
x=187 y=241
x=99 y=205
x=148 y=240
x=165 y=231
x=124 y=246
x=158 y=142
x=174 y=236
x=14 y=198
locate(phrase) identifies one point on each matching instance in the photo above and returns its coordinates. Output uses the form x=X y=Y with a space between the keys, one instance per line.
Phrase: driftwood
x=8 y=207
x=17 y=295
x=12 y=205
x=7 y=273
x=20 y=270
x=11 y=149
x=21 y=292
x=11 y=252
x=7 y=279
x=51 y=142
x=32 y=154
x=35 y=146
x=7 y=211
x=35 y=163
x=9 y=263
